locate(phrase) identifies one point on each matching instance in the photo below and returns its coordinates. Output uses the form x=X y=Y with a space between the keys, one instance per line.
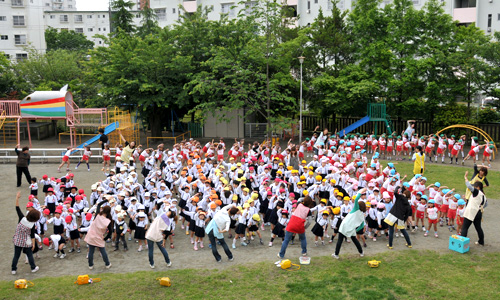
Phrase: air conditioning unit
x=308 y=11
x=491 y=1
x=488 y=29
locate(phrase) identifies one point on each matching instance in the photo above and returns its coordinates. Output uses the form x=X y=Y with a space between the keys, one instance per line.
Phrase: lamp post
x=301 y=60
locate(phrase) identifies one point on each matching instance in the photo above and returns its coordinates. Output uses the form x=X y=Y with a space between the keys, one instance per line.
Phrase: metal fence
x=255 y=130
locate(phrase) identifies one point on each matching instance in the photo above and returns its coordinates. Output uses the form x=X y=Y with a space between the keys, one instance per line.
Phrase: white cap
x=141 y=214
x=147 y=194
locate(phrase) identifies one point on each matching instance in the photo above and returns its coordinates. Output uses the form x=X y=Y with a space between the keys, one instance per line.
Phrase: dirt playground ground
x=183 y=256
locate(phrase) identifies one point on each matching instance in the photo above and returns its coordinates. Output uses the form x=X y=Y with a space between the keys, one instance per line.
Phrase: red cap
x=29 y=204
x=71 y=175
x=78 y=197
x=88 y=217
x=58 y=211
x=45 y=176
x=46 y=211
x=69 y=199
x=46 y=241
x=60 y=207
x=70 y=210
x=50 y=190
x=62 y=186
x=68 y=219
x=81 y=191
x=30 y=197
x=58 y=180
x=52 y=178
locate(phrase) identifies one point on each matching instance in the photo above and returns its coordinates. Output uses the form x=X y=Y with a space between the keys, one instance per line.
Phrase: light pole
x=301 y=60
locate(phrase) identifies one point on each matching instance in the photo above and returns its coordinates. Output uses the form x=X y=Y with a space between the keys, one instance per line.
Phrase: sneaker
x=108 y=266
x=62 y=256
x=169 y=264
x=87 y=257
x=195 y=248
x=397 y=234
x=323 y=243
x=116 y=249
x=335 y=256
x=71 y=250
x=389 y=247
x=76 y=168
x=233 y=246
x=201 y=245
x=152 y=266
x=26 y=261
x=14 y=272
x=426 y=233
x=34 y=270
x=374 y=239
x=88 y=170
x=364 y=245
x=231 y=259
x=244 y=244
x=56 y=255
x=182 y=227
x=316 y=243
x=361 y=254
x=50 y=247
x=91 y=267
x=423 y=229
x=78 y=250
x=129 y=238
x=171 y=246
x=270 y=244
x=261 y=242
x=140 y=248
x=409 y=246
x=219 y=261
x=436 y=235
x=187 y=232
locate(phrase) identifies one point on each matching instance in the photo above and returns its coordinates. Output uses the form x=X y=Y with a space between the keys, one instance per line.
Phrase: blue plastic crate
x=459 y=244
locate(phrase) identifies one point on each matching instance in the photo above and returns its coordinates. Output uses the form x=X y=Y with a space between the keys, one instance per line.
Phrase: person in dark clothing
x=103 y=140
x=24 y=238
x=23 y=161
x=398 y=215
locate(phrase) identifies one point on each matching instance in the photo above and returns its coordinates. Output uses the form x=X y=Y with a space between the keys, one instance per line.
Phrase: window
x=173 y=11
x=308 y=5
x=20 y=39
x=79 y=30
x=70 y=6
x=227 y=8
x=104 y=16
x=99 y=29
x=52 y=16
x=17 y=3
x=161 y=13
x=90 y=29
x=98 y=16
x=7 y=56
x=137 y=16
x=316 y=1
x=4 y=37
x=63 y=18
x=4 y=18
x=78 y=18
x=89 y=16
x=18 y=20
x=21 y=56
x=416 y=2
x=490 y=17
x=104 y=29
x=47 y=4
x=498 y=17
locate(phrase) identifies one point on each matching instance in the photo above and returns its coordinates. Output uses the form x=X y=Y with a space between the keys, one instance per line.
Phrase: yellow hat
x=310 y=173
x=243 y=178
x=227 y=188
x=333 y=181
x=346 y=198
x=235 y=197
x=246 y=190
x=324 y=201
x=289 y=168
x=303 y=177
x=304 y=162
x=279 y=172
x=281 y=164
x=311 y=168
x=336 y=210
x=340 y=194
x=305 y=192
x=238 y=164
x=240 y=171
x=325 y=212
x=246 y=205
x=318 y=177
x=324 y=180
x=368 y=204
x=255 y=195
x=233 y=168
x=249 y=201
x=256 y=217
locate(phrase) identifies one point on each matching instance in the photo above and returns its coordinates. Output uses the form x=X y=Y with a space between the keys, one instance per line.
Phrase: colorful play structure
x=375 y=112
x=59 y=105
x=481 y=132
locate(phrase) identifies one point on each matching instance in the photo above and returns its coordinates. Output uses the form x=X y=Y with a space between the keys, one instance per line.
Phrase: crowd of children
x=264 y=181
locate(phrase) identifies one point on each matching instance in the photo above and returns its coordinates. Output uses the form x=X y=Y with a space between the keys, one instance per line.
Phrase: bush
x=451 y=115
x=488 y=115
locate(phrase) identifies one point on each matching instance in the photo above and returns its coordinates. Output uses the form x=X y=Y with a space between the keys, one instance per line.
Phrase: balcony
x=465 y=15
x=17 y=3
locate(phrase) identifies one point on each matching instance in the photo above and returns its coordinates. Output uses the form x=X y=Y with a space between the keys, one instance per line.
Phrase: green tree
x=67 y=40
x=147 y=72
x=491 y=54
x=470 y=68
x=7 y=78
x=149 y=22
x=121 y=17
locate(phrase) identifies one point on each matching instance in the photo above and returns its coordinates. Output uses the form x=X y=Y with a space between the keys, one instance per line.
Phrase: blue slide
x=354 y=126
x=110 y=128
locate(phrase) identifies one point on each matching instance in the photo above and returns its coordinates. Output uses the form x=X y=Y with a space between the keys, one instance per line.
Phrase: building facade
x=23 y=22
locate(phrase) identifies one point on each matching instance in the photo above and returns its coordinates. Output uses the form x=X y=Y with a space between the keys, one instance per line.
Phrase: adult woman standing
x=478 y=176
x=155 y=236
x=96 y=232
x=400 y=212
x=419 y=159
x=354 y=222
x=24 y=238
x=103 y=139
x=296 y=225
x=23 y=161
x=293 y=158
x=128 y=150
x=473 y=213
x=216 y=228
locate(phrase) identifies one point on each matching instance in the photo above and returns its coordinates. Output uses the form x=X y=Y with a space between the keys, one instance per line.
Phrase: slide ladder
x=354 y=126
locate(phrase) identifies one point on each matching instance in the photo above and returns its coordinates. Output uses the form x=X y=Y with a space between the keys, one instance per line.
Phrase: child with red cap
x=58 y=242
x=74 y=234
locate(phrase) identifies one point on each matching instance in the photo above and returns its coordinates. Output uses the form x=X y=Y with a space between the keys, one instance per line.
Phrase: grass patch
x=451 y=176
x=401 y=275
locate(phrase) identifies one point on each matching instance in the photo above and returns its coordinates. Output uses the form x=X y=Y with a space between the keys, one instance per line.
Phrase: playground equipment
x=59 y=105
x=486 y=136
x=375 y=112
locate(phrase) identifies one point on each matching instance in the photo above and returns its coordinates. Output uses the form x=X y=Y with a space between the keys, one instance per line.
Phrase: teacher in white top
x=215 y=229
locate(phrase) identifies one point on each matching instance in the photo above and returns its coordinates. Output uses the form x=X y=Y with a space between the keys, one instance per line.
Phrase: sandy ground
x=183 y=256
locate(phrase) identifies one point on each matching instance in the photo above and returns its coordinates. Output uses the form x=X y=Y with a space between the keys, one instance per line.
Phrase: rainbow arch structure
x=486 y=136
x=46 y=104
